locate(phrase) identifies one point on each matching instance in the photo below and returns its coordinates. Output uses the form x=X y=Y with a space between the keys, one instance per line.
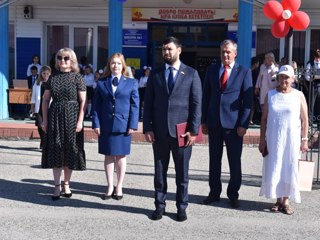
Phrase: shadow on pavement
x=36 y=192
x=21 y=149
x=33 y=191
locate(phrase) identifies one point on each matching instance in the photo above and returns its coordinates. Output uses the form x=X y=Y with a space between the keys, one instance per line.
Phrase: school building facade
x=95 y=29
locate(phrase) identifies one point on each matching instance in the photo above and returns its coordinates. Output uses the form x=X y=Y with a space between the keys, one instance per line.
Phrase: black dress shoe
x=106 y=197
x=235 y=203
x=210 y=199
x=117 y=197
x=181 y=215
x=55 y=198
x=158 y=213
x=67 y=195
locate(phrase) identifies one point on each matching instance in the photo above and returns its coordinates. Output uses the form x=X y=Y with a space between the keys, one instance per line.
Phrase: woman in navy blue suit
x=115 y=117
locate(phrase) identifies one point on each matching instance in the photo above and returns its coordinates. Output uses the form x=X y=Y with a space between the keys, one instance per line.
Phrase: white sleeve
x=29 y=70
x=34 y=93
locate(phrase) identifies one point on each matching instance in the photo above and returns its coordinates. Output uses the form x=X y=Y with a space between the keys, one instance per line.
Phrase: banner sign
x=184 y=14
x=134 y=37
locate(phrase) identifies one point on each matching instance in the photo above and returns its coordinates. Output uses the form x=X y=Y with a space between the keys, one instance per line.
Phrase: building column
x=115 y=26
x=4 y=61
x=245 y=16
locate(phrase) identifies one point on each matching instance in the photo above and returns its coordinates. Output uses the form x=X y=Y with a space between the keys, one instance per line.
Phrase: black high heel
x=116 y=196
x=107 y=197
x=56 y=197
x=67 y=195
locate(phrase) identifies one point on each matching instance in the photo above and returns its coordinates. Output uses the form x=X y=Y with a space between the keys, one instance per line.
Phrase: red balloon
x=292 y=5
x=299 y=20
x=272 y=9
x=280 y=28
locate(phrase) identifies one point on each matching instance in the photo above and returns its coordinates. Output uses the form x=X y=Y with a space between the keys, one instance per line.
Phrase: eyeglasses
x=64 y=58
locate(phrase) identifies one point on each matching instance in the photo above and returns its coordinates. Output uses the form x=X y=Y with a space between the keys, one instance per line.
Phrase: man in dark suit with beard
x=226 y=107
x=173 y=96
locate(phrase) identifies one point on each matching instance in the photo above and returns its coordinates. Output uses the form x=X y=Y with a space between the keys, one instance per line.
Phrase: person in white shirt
x=37 y=93
x=314 y=93
x=35 y=62
x=97 y=76
x=142 y=88
x=90 y=82
x=267 y=77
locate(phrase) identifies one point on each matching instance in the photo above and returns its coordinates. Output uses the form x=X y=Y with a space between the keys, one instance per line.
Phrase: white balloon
x=286 y=14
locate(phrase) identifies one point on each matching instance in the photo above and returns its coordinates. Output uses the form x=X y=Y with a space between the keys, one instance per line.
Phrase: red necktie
x=224 y=78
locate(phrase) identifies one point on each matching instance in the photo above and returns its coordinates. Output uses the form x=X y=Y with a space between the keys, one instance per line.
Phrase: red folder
x=181 y=129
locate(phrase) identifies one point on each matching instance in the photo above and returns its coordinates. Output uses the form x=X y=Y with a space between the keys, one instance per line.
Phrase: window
x=102 y=47
x=314 y=42
x=83 y=43
x=299 y=40
x=266 y=43
x=57 y=38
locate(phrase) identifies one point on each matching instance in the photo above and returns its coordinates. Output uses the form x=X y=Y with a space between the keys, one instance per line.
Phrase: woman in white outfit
x=267 y=77
x=37 y=93
x=35 y=62
x=284 y=133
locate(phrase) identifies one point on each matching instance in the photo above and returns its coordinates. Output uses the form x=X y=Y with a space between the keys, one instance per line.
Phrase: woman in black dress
x=63 y=121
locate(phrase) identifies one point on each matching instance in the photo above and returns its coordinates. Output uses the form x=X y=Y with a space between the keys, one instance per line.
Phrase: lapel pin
x=182 y=72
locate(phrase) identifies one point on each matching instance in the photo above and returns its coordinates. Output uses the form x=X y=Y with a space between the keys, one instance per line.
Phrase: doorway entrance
x=200 y=43
x=88 y=41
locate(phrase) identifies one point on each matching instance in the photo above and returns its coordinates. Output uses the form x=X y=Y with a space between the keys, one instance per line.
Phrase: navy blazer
x=162 y=111
x=231 y=108
x=116 y=112
x=30 y=83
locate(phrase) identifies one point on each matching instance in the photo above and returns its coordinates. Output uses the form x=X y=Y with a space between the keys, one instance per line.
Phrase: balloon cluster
x=286 y=16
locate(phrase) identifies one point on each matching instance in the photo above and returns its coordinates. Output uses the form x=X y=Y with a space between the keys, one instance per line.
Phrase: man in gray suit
x=173 y=96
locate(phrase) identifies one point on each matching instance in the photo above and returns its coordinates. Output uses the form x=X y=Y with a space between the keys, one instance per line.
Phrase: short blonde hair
x=72 y=56
x=108 y=67
x=270 y=54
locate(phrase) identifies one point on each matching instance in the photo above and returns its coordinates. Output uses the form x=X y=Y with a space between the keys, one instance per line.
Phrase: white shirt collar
x=112 y=77
x=176 y=65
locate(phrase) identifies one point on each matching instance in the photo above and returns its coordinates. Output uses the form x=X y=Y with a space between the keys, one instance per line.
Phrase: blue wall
x=137 y=52
x=26 y=48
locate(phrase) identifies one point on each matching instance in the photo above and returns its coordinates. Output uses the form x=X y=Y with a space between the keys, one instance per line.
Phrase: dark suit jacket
x=119 y=111
x=231 y=107
x=30 y=85
x=163 y=111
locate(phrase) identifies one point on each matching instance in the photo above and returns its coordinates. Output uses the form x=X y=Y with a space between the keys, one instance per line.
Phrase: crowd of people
x=223 y=108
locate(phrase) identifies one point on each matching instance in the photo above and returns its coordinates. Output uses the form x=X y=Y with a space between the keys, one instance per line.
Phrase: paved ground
x=27 y=212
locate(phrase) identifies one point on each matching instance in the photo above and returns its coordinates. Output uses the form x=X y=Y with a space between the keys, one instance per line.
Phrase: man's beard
x=170 y=61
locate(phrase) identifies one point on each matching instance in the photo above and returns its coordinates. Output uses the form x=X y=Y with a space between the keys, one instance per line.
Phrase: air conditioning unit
x=27 y=12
